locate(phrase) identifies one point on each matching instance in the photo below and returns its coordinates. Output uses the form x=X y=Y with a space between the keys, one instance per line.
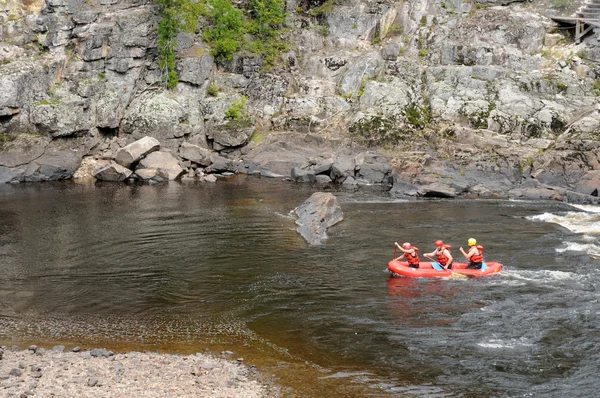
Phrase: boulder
x=375 y=169
x=133 y=152
x=303 y=175
x=164 y=163
x=342 y=167
x=53 y=165
x=221 y=164
x=315 y=215
x=437 y=190
x=112 y=172
x=145 y=174
x=196 y=154
x=233 y=133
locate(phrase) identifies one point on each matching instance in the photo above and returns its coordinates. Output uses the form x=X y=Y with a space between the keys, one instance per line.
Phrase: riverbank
x=100 y=373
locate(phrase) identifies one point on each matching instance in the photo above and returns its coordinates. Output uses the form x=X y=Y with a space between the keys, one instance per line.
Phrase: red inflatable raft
x=435 y=270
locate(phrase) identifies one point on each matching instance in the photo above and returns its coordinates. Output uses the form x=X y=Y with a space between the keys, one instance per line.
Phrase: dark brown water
x=218 y=266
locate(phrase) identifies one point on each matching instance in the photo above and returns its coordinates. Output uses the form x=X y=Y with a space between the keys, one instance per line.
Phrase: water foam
x=501 y=344
x=590 y=248
x=577 y=222
x=588 y=208
x=543 y=276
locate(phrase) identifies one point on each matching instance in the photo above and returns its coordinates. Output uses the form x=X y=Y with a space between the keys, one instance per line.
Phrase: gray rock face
x=133 y=152
x=363 y=69
x=195 y=66
x=112 y=172
x=315 y=215
x=162 y=161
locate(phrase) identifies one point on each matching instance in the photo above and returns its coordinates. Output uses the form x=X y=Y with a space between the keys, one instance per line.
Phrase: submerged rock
x=315 y=215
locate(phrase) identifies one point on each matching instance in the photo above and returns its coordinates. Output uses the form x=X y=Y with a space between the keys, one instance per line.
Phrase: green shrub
x=227 y=28
x=559 y=3
x=176 y=16
x=596 y=87
x=212 y=90
x=237 y=109
x=418 y=117
x=422 y=52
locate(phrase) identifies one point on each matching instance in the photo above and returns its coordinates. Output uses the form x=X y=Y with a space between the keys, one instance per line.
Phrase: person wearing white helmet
x=475 y=254
x=410 y=253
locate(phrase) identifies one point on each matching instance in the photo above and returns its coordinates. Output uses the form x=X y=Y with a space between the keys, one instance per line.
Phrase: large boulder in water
x=315 y=215
x=164 y=162
x=133 y=152
x=112 y=172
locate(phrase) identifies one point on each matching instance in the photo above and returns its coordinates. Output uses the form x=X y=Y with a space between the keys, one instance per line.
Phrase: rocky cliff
x=433 y=98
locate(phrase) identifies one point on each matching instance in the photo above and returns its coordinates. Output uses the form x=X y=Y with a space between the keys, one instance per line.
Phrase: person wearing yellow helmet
x=475 y=254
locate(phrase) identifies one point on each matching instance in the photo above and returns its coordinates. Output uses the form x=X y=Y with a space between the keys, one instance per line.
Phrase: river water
x=221 y=266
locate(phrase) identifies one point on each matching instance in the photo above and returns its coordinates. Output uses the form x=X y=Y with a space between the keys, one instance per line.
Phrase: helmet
x=472 y=242
x=439 y=243
x=406 y=245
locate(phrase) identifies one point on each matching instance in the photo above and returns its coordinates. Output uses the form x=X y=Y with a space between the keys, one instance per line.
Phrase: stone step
x=588 y=15
x=587 y=10
x=594 y=2
x=592 y=5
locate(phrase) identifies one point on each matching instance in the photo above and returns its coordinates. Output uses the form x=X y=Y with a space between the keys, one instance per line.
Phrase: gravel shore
x=100 y=373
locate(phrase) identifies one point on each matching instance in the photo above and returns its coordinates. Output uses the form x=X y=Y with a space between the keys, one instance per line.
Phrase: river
x=220 y=266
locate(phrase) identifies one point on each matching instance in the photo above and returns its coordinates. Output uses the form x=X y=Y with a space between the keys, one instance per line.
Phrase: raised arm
x=401 y=248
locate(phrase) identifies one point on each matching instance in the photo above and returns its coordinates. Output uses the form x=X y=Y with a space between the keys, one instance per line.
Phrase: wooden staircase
x=586 y=19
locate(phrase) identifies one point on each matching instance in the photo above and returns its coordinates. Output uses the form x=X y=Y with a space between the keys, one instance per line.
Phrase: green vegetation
x=177 y=16
x=596 y=87
x=424 y=20
x=559 y=3
x=257 y=137
x=377 y=131
x=6 y=138
x=229 y=29
x=256 y=28
x=418 y=117
x=212 y=90
x=53 y=102
x=396 y=29
x=322 y=10
x=423 y=52
x=237 y=109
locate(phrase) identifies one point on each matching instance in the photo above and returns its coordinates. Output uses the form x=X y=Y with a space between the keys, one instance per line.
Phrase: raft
x=435 y=270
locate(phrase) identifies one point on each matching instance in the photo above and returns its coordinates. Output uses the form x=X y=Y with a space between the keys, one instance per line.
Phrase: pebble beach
x=98 y=373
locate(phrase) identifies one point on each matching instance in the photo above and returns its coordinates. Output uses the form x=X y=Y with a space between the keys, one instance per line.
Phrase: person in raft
x=442 y=253
x=410 y=253
x=475 y=254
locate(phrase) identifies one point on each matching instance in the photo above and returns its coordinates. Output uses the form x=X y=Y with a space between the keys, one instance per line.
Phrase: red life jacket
x=443 y=260
x=413 y=259
x=477 y=258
